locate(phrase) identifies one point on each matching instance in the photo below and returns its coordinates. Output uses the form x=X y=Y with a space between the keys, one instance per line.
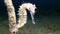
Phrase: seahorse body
x=23 y=13
x=23 y=16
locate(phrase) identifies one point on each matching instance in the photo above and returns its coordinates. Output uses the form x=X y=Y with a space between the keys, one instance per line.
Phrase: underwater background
x=47 y=17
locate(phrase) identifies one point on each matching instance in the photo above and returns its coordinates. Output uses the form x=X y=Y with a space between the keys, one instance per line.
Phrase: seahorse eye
x=32 y=9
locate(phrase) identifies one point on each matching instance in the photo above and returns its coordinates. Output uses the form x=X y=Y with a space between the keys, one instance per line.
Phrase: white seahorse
x=28 y=6
x=23 y=14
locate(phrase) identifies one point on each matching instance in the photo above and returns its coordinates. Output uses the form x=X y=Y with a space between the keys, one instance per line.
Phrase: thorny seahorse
x=22 y=15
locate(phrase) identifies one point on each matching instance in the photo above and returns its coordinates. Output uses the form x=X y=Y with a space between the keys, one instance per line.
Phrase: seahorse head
x=31 y=8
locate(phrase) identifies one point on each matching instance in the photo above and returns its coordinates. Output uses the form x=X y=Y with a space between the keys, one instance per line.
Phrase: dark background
x=44 y=7
x=47 y=17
